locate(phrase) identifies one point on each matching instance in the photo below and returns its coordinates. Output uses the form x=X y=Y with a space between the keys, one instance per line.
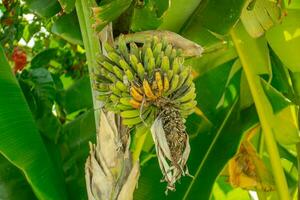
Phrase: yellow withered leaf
x=248 y=171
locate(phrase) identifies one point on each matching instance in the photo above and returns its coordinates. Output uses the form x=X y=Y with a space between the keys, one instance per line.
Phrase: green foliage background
x=47 y=114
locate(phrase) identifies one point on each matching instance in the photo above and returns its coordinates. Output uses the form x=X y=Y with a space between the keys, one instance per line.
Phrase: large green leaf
x=44 y=8
x=13 y=185
x=259 y=50
x=285 y=40
x=215 y=16
x=43 y=58
x=178 y=14
x=74 y=145
x=210 y=88
x=67 y=27
x=20 y=141
x=78 y=96
x=109 y=11
x=148 y=16
x=38 y=87
x=67 y=5
x=212 y=59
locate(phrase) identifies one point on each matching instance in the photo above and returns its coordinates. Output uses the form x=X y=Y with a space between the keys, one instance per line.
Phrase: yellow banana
x=135 y=94
x=134 y=103
x=166 y=83
x=159 y=82
x=148 y=91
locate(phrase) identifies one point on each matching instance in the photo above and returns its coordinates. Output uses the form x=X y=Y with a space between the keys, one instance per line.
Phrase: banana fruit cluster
x=134 y=79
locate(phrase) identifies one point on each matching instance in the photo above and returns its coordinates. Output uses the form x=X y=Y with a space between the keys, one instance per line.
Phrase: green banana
x=121 y=86
x=124 y=65
x=108 y=66
x=129 y=75
x=168 y=50
x=114 y=98
x=174 y=84
x=183 y=76
x=114 y=57
x=125 y=101
x=165 y=64
x=118 y=72
x=188 y=105
x=115 y=90
x=141 y=71
x=176 y=66
x=187 y=95
x=134 y=61
x=148 y=56
x=138 y=119
x=130 y=113
x=157 y=50
x=151 y=66
x=108 y=48
x=134 y=50
x=102 y=87
x=122 y=107
x=123 y=47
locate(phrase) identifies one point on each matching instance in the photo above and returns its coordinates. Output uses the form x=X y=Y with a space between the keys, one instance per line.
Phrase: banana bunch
x=136 y=81
x=149 y=85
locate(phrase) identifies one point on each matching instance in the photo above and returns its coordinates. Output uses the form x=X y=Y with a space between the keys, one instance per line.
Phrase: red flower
x=20 y=59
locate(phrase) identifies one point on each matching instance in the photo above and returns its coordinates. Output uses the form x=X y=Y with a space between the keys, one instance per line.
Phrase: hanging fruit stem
x=91 y=43
x=264 y=110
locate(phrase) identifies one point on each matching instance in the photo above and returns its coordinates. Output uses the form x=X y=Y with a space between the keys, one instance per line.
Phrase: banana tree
x=201 y=94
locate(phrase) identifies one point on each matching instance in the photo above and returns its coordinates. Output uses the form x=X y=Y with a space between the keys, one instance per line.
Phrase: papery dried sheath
x=109 y=171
